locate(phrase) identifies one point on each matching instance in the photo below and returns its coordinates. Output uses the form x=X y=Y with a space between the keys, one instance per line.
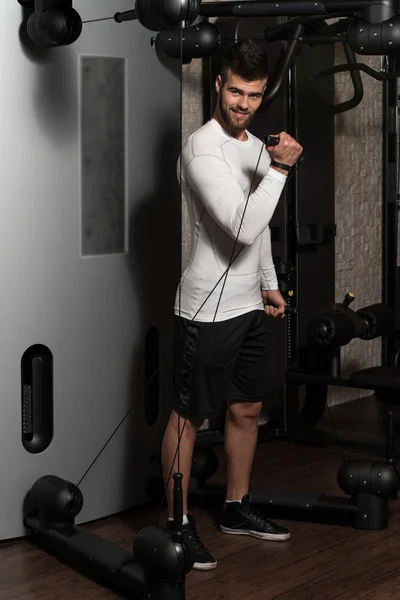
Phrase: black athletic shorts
x=219 y=362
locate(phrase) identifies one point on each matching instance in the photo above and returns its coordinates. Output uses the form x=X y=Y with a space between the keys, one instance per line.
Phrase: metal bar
x=93 y=554
x=292 y=217
x=389 y=197
x=216 y=9
x=391 y=440
x=284 y=64
x=321 y=39
x=115 y=566
x=278 y=9
x=303 y=506
x=279 y=32
x=290 y=401
x=260 y=9
x=357 y=84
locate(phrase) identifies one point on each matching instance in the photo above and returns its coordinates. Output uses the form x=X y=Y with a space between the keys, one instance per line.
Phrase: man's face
x=239 y=100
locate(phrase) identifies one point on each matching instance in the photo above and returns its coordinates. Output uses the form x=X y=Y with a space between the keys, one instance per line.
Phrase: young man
x=221 y=355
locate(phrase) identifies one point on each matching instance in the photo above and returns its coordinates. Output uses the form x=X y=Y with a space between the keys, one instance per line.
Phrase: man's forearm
x=269 y=280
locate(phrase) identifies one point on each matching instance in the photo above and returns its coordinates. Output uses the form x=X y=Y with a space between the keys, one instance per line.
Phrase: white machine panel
x=90 y=257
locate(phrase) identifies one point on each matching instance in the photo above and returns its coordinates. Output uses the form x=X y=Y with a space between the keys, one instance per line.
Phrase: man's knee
x=244 y=413
x=191 y=423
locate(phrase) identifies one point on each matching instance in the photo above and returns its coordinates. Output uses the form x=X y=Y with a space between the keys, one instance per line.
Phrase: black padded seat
x=378 y=378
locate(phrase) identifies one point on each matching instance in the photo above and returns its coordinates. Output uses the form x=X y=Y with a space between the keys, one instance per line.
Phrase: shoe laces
x=252 y=513
x=190 y=533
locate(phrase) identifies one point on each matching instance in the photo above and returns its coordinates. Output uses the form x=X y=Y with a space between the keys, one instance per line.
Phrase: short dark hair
x=246 y=60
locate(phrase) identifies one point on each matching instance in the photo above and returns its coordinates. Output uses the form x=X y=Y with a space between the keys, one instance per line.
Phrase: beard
x=234 y=125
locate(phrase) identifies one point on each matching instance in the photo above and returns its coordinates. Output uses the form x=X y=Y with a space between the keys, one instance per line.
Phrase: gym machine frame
x=298 y=424
x=296 y=421
x=160 y=561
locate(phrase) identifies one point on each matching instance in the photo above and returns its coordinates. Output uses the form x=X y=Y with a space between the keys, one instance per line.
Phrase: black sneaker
x=203 y=560
x=243 y=519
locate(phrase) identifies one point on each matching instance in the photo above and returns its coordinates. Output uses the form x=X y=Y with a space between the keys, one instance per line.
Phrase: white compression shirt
x=216 y=173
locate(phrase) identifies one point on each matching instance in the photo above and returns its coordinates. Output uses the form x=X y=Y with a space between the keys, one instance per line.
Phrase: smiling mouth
x=239 y=113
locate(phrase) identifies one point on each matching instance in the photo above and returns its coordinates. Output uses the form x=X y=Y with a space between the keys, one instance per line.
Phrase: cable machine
x=159 y=562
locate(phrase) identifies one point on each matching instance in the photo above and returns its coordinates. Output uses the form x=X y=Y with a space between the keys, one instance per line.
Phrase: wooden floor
x=319 y=562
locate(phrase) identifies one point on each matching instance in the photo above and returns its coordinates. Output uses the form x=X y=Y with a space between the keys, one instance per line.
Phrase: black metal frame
x=359 y=510
x=299 y=425
x=281 y=9
x=155 y=569
x=389 y=205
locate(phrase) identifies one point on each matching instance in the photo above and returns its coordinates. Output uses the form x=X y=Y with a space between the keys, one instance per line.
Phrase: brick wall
x=358 y=197
x=358 y=200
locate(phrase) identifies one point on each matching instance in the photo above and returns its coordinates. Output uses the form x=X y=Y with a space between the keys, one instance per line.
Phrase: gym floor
x=320 y=561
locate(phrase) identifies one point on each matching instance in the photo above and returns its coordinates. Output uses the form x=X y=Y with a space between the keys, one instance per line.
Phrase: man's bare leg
x=239 y=517
x=202 y=559
x=177 y=426
x=241 y=433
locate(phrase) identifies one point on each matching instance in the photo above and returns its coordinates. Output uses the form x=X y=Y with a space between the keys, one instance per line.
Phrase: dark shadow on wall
x=154 y=262
x=54 y=100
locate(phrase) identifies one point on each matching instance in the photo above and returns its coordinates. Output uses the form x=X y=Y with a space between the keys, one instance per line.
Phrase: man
x=221 y=354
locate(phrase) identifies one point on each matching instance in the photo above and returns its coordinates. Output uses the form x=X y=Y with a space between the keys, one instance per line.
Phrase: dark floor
x=319 y=562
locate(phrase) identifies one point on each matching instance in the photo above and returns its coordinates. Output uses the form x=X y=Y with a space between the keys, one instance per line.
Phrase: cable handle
x=271 y=140
x=128 y=15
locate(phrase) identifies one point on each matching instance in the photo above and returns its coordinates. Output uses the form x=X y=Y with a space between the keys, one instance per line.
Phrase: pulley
x=52 y=23
x=374 y=39
x=198 y=41
x=162 y=15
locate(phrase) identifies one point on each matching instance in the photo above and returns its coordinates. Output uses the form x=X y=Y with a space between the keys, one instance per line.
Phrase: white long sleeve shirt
x=216 y=174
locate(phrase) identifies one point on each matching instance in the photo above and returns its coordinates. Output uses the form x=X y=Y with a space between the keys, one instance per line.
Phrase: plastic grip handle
x=271 y=140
